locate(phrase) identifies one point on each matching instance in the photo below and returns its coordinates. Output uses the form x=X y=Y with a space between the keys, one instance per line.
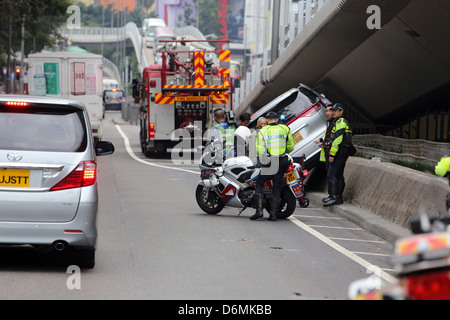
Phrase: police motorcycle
x=232 y=183
x=421 y=262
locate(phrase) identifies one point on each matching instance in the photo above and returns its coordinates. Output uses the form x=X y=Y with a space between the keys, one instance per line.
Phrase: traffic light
x=18 y=71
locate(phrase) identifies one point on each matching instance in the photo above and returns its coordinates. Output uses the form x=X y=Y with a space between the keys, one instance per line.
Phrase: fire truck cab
x=179 y=95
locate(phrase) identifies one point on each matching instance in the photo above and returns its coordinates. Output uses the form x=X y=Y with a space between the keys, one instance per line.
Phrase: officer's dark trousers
x=283 y=165
x=336 y=169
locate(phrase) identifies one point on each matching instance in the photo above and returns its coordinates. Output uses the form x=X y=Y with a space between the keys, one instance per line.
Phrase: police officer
x=340 y=134
x=274 y=142
x=224 y=132
x=442 y=168
x=325 y=142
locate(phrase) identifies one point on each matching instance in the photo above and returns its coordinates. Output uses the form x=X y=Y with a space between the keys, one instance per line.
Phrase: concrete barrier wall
x=393 y=192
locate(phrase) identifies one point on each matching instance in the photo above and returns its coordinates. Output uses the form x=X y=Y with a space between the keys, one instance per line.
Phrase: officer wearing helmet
x=273 y=143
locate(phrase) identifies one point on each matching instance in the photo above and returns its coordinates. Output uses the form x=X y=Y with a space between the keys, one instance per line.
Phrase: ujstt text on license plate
x=14 y=178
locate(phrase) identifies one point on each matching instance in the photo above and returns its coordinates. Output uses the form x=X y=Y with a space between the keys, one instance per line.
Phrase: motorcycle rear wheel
x=208 y=202
x=288 y=204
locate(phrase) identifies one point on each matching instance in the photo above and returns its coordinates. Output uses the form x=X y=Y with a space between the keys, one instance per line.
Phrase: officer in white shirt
x=243 y=134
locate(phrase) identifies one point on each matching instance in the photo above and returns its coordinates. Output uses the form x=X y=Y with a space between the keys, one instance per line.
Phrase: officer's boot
x=336 y=198
x=259 y=203
x=274 y=206
x=326 y=199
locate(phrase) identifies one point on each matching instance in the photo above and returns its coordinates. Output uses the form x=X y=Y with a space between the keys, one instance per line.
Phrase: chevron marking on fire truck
x=224 y=58
x=168 y=87
x=219 y=99
x=199 y=68
x=162 y=99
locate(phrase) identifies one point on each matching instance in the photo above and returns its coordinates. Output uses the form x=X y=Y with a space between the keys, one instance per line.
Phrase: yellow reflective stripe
x=333 y=151
x=322 y=156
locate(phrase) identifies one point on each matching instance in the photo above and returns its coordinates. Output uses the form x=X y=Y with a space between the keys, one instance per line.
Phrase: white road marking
x=342 y=250
x=358 y=240
x=317 y=217
x=131 y=153
x=331 y=227
x=372 y=254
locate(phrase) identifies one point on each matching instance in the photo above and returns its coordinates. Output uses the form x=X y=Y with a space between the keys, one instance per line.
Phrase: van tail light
x=307 y=113
x=85 y=174
x=17 y=104
x=429 y=286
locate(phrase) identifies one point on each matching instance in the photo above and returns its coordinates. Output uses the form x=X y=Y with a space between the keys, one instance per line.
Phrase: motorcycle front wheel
x=209 y=202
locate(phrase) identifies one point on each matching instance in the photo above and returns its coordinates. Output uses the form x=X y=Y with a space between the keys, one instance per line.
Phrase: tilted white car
x=303 y=111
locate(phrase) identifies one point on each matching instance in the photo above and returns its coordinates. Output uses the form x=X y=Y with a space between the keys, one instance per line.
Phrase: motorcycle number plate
x=297 y=190
x=290 y=177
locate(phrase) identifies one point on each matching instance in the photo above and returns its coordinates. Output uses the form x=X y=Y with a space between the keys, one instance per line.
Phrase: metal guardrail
x=392 y=148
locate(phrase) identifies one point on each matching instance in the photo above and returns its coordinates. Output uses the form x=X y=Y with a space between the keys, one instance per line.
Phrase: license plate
x=290 y=176
x=14 y=178
x=113 y=100
x=297 y=190
x=297 y=137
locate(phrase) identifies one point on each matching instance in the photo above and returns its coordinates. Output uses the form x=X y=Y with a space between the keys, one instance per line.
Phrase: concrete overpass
x=377 y=73
x=109 y=36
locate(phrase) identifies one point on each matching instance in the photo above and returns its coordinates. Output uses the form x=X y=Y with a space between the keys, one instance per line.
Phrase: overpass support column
x=275 y=30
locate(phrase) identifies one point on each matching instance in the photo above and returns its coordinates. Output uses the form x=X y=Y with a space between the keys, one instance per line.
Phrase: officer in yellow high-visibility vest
x=273 y=144
x=341 y=132
x=442 y=168
x=325 y=143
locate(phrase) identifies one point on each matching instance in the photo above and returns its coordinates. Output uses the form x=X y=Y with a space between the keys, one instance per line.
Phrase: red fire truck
x=179 y=95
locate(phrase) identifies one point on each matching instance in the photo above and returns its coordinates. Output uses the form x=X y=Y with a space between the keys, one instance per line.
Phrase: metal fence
x=396 y=149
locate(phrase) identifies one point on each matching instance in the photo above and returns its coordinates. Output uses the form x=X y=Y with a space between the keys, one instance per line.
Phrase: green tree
x=207 y=16
x=41 y=19
x=208 y=20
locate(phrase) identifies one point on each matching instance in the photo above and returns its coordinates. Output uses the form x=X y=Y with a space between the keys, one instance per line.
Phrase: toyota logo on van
x=14 y=156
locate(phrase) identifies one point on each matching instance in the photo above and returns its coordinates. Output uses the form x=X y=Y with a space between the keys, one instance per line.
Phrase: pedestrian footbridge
x=109 y=36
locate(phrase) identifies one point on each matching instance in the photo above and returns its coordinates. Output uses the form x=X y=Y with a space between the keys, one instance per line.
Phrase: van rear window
x=42 y=129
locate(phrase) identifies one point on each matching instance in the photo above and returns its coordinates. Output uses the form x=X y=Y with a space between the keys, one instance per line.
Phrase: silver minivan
x=48 y=175
x=303 y=110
